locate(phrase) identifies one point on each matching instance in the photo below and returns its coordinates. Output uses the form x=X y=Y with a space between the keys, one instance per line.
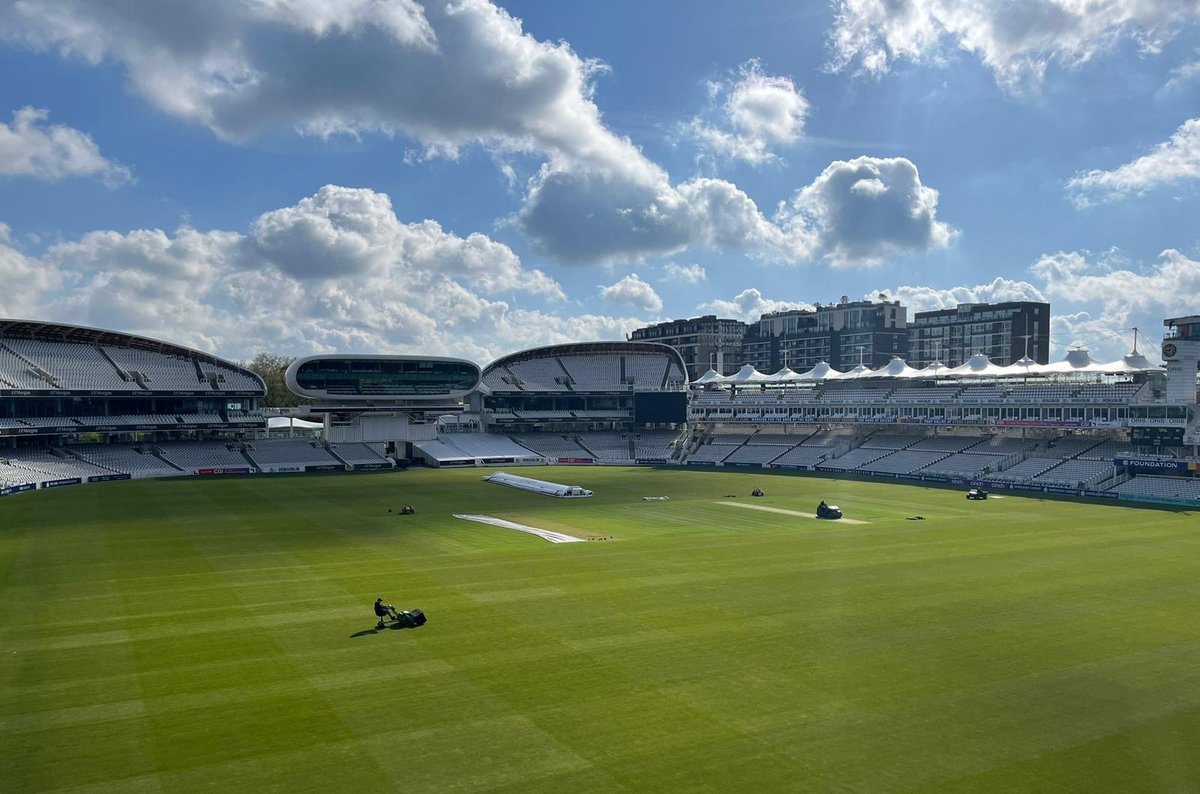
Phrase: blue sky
x=472 y=178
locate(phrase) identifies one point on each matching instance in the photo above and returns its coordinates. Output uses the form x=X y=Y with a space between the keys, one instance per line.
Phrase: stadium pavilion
x=80 y=405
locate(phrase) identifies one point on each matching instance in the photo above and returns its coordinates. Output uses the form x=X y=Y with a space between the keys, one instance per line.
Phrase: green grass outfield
x=215 y=634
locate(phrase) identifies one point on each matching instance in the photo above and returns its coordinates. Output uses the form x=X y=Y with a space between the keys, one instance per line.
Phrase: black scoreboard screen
x=1156 y=436
x=660 y=408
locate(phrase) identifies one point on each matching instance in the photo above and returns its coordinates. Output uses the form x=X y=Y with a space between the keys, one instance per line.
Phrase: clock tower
x=1181 y=352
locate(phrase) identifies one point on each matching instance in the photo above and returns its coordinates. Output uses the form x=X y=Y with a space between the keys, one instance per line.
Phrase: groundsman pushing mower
x=828 y=511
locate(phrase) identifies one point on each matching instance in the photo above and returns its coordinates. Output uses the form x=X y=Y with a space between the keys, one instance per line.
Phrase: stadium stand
x=904 y=462
x=802 y=456
x=750 y=453
x=124 y=458
x=607 y=447
x=1025 y=470
x=288 y=452
x=711 y=453
x=859 y=458
x=944 y=443
x=550 y=445
x=1168 y=487
x=652 y=445
x=1075 y=473
x=964 y=465
x=357 y=454
x=194 y=455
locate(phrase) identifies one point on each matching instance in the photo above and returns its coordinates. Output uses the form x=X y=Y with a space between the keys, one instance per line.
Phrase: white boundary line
x=545 y=534
x=783 y=512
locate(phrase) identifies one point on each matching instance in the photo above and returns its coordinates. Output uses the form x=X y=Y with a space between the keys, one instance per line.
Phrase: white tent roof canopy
x=1076 y=362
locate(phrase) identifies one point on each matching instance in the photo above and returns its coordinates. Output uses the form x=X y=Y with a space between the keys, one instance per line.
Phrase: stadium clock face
x=1169 y=350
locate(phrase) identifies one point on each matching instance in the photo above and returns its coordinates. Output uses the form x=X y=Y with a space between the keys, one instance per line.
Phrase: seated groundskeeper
x=383 y=611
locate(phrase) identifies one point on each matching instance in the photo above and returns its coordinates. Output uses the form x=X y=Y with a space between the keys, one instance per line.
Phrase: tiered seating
x=501 y=379
x=551 y=445
x=124 y=458
x=546 y=414
x=289 y=452
x=755 y=454
x=230 y=379
x=775 y=439
x=606 y=446
x=730 y=435
x=359 y=453
x=596 y=372
x=73 y=366
x=1108 y=450
x=799 y=394
x=192 y=455
x=1170 y=487
x=1066 y=447
x=964 y=465
x=1040 y=393
x=852 y=392
x=15 y=475
x=1109 y=392
x=802 y=456
x=192 y=419
x=17 y=373
x=946 y=443
x=1025 y=470
x=1073 y=472
x=889 y=441
x=856 y=459
x=978 y=393
x=645 y=372
x=483 y=445
x=905 y=461
x=656 y=444
x=248 y=416
x=52 y=467
x=926 y=394
x=162 y=372
x=711 y=453
x=827 y=438
x=47 y=421
x=540 y=374
x=1001 y=445
x=715 y=396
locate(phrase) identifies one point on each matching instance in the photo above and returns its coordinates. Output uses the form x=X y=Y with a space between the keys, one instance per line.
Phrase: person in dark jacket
x=383 y=611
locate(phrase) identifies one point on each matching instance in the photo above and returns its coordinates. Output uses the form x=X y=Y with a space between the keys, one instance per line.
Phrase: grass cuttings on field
x=217 y=633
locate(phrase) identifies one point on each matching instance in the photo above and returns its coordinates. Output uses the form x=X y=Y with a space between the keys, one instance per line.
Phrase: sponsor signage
x=245 y=470
x=365 y=466
x=318 y=467
x=702 y=463
x=12 y=489
x=575 y=460
x=1158 y=465
x=61 y=483
x=650 y=461
x=108 y=477
x=493 y=461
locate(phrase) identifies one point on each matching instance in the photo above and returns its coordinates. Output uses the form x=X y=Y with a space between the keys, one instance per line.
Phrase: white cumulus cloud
x=758 y=112
x=926 y=298
x=688 y=274
x=632 y=291
x=364 y=280
x=1172 y=162
x=449 y=75
x=750 y=304
x=1016 y=40
x=31 y=148
x=863 y=211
